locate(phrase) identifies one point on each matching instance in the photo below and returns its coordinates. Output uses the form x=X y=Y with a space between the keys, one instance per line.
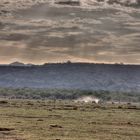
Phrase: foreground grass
x=66 y=120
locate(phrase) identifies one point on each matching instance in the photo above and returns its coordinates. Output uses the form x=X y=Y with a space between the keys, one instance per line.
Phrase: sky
x=96 y=33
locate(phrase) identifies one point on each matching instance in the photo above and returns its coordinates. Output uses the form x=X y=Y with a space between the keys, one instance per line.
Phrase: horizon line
x=66 y=62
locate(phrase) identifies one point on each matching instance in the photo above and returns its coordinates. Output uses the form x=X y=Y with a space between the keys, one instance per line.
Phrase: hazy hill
x=73 y=76
x=17 y=64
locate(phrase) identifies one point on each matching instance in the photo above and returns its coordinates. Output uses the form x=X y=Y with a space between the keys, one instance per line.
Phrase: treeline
x=28 y=93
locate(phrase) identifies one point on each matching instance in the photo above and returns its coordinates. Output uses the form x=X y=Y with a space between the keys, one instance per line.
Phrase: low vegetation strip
x=33 y=93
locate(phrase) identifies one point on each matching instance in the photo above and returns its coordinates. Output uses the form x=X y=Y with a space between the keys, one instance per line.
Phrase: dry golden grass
x=66 y=120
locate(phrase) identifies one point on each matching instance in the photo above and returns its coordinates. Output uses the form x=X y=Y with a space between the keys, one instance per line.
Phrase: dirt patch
x=40 y=120
x=133 y=107
x=115 y=123
x=68 y=2
x=3 y=102
x=27 y=117
x=36 y=117
x=55 y=126
x=6 y=129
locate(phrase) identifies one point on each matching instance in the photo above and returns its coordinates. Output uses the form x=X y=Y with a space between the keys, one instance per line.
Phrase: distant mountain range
x=111 y=77
x=19 y=64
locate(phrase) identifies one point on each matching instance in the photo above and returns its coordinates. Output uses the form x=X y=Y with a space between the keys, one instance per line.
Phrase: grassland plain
x=67 y=120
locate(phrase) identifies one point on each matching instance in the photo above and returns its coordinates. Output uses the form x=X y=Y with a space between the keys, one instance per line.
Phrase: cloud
x=53 y=33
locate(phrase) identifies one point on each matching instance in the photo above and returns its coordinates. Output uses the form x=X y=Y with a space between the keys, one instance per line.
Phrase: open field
x=67 y=120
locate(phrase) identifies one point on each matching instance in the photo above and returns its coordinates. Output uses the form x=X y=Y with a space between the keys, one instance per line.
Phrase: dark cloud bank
x=91 y=32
